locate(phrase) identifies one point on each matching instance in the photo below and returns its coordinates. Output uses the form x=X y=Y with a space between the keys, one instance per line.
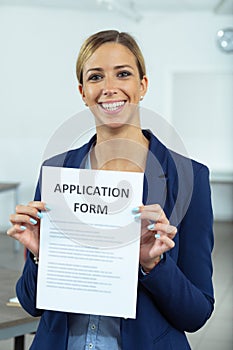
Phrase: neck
x=121 y=149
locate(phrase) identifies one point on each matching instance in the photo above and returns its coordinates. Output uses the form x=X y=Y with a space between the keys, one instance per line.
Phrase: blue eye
x=124 y=74
x=95 y=77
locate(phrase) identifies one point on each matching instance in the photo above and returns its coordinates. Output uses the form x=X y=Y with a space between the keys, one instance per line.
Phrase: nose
x=109 y=89
x=109 y=92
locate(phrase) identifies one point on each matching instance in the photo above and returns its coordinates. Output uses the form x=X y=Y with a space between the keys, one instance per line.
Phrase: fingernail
x=157 y=235
x=135 y=210
x=23 y=228
x=39 y=215
x=151 y=226
x=47 y=207
x=34 y=222
x=137 y=217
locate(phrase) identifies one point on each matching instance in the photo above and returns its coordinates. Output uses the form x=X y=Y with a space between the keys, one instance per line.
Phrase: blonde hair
x=92 y=43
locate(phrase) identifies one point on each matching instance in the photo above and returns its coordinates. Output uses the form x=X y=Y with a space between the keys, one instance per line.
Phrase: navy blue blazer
x=177 y=296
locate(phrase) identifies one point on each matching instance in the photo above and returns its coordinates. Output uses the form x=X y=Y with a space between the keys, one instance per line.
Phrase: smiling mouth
x=113 y=106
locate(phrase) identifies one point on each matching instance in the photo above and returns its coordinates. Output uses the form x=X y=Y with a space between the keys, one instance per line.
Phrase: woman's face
x=111 y=84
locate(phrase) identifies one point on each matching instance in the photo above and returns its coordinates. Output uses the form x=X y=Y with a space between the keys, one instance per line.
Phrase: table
x=14 y=321
x=222 y=178
x=222 y=195
x=11 y=186
x=7 y=186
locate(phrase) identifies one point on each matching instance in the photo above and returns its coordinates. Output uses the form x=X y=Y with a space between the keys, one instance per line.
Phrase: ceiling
x=133 y=6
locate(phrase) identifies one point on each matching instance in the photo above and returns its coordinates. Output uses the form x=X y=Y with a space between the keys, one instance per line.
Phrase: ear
x=81 y=91
x=144 y=85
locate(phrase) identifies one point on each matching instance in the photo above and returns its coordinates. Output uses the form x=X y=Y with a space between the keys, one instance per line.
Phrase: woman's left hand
x=156 y=235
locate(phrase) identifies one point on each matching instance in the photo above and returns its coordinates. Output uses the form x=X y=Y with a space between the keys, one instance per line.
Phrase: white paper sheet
x=89 y=242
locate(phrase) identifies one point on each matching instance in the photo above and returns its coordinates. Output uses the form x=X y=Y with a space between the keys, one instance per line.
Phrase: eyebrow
x=99 y=69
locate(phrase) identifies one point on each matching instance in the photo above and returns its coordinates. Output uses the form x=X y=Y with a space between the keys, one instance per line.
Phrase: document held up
x=89 y=241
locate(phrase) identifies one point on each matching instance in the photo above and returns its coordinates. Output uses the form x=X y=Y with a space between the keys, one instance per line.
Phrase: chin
x=113 y=125
x=115 y=120
x=116 y=123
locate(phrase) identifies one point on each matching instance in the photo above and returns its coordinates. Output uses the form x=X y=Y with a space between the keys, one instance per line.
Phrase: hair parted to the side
x=92 y=43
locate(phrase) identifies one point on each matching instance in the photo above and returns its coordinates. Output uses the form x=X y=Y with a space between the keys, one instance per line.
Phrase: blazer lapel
x=155 y=178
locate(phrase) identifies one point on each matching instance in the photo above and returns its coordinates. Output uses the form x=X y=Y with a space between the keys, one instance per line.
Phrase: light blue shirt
x=91 y=331
x=94 y=332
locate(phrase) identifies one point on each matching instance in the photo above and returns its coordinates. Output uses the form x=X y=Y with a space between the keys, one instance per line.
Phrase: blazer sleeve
x=27 y=284
x=26 y=287
x=183 y=290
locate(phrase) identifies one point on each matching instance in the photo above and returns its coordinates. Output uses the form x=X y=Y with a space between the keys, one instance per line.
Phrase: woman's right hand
x=26 y=225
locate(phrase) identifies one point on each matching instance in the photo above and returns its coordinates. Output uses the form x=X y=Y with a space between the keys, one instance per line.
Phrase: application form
x=89 y=241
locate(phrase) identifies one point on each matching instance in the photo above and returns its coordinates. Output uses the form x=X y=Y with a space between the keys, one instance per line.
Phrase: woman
x=175 y=293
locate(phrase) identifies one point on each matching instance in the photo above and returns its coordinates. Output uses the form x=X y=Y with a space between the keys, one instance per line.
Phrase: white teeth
x=112 y=106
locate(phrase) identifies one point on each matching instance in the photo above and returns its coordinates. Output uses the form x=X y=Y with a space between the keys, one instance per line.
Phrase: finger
x=15 y=230
x=29 y=239
x=165 y=244
x=151 y=207
x=28 y=210
x=42 y=206
x=152 y=216
x=163 y=228
x=22 y=219
x=158 y=213
x=169 y=243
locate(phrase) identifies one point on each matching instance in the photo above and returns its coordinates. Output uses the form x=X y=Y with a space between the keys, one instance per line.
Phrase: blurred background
x=188 y=49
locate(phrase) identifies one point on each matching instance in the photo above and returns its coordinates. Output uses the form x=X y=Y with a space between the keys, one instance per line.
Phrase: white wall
x=38 y=87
